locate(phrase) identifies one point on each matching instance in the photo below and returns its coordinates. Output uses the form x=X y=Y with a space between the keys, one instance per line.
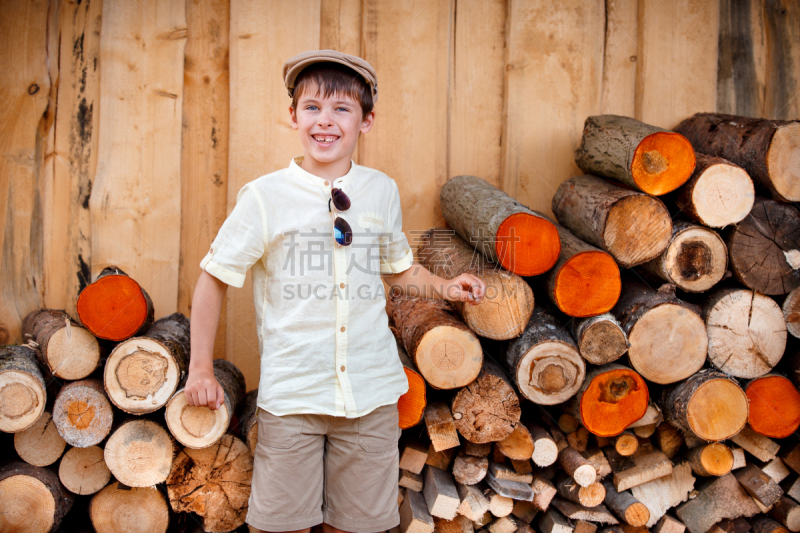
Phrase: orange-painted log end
x=774 y=406
x=113 y=307
x=662 y=162
x=527 y=245
x=588 y=284
x=411 y=405
x=613 y=401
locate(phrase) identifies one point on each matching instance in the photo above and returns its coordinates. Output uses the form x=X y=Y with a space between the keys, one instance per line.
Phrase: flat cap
x=293 y=67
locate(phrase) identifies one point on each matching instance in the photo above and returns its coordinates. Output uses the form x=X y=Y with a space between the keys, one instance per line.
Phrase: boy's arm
x=202 y=388
x=420 y=282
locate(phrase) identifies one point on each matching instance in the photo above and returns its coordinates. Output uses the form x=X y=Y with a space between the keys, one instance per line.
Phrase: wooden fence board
x=742 y=65
x=619 y=64
x=782 y=99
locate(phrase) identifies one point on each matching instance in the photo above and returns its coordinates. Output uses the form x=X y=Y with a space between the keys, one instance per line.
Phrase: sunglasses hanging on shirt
x=342 y=232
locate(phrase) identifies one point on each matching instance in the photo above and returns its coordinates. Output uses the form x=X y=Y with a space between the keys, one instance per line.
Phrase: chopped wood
x=723 y=498
x=582 y=526
x=626 y=507
x=83 y=470
x=31 y=498
x=791 y=457
x=787 y=512
x=718 y=194
x=611 y=399
x=597 y=459
x=600 y=338
x=577 y=467
x=645 y=465
x=505 y=231
x=470 y=469
x=709 y=404
x=441 y=459
x=487 y=409
x=510 y=489
x=414 y=515
x=568 y=423
x=759 y=485
x=775 y=469
x=485 y=519
x=714 y=459
x=413 y=456
x=791 y=487
x=644 y=157
x=508 y=299
x=579 y=439
x=644 y=432
x=445 y=351
x=522 y=467
x=22 y=388
x=473 y=503
x=631 y=226
x=505 y=472
x=479 y=450
x=525 y=511
x=695 y=260
x=590 y=496
x=761 y=447
x=551 y=521
x=668 y=524
x=40 y=444
x=774 y=409
x=440 y=493
x=651 y=416
x=737 y=525
x=576 y=511
x=82 y=413
x=739 y=459
x=746 y=332
x=499 y=505
x=517 y=446
x=139 y=453
x=791 y=312
x=545 y=451
x=506 y=524
x=459 y=524
x=644 y=314
x=441 y=427
x=153 y=515
x=660 y=495
x=68 y=350
x=764 y=524
x=410 y=480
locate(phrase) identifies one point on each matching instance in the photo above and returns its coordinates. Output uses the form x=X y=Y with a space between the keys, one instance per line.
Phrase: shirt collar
x=306 y=176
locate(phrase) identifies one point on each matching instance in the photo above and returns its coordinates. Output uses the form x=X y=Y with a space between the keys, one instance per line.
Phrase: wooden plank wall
x=131 y=147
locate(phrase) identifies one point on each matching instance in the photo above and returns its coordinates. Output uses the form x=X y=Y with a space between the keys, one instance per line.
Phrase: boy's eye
x=343 y=108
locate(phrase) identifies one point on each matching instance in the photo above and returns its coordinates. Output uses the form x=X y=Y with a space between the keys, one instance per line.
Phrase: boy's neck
x=328 y=171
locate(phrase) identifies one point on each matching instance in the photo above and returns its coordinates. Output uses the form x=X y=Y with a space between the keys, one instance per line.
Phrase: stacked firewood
x=100 y=422
x=643 y=390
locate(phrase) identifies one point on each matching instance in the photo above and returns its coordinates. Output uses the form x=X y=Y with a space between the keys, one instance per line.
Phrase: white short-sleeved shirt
x=323 y=332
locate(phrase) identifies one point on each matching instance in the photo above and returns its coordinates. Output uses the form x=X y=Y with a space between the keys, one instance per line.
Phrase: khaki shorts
x=310 y=469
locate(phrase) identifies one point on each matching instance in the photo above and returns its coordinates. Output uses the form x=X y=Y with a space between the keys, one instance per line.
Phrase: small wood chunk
x=485 y=519
x=440 y=459
x=739 y=459
x=791 y=487
x=590 y=496
x=510 y=489
x=791 y=457
x=626 y=443
x=470 y=469
x=576 y=511
x=597 y=459
x=644 y=432
x=414 y=515
x=787 y=512
x=544 y=491
x=775 y=469
x=441 y=427
x=496 y=456
x=653 y=415
x=504 y=471
x=669 y=439
x=459 y=524
x=40 y=444
x=668 y=524
x=525 y=511
x=577 y=467
x=545 y=450
x=478 y=450
x=499 y=505
x=551 y=521
x=759 y=446
x=662 y=494
x=714 y=459
x=759 y=485
x=737 y=525
x=506 y=524
x=413 y=456
x=626 y=506
x=764 y=524
x=645 y=465
x=582 y=526
x=579 y=439
x=410 y=480
x=791 y=312
x=723 y=498
x=522 y=467
x=440 y=493
x=473 y=503
x=517 y=446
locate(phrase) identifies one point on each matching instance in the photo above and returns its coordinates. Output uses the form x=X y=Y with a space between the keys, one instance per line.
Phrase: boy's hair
x=331 y=79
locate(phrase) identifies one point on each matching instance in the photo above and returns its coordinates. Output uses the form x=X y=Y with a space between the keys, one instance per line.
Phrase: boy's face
x=329 y=127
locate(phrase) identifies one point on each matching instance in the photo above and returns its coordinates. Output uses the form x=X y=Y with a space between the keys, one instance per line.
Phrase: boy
x=318 y=235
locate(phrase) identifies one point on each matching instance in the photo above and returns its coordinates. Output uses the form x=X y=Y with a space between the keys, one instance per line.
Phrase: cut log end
x=22 y=400
x=696 y=259
x=40 y=444
x=114 y=307
x=139 y=453
x=507 y=306
x=195 y=426
x=601 y=340
x=791 y=312
x=551 y=373
x=774 y=406
x=82 y=413
x=588 y=284
x=612 y=401
x=662 y=162
x=140 y=375
x=73 y=353
x=585 y=475
x=715 y=459
x=148 y=509
x=783 y=161
x=26 y=504
x=638 y=229
x=527 y=245
x=723 y=195
x=449 y=357
x=83 y=470
x=717 y=410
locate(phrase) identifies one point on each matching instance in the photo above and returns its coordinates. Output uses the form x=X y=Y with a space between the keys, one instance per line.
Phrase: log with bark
x=248 y=420
x=40 y=444
x=766 y=149
x=611 y=399
x=82 y=413
x=600 y=338
x=585 y=281
x=201 y=426
x=774 y=409
x=643 y=466
x=149 y=509
x=709 y=404
x=713 y=459
x=68 y=350
x=645 y=157
x=445 y=351
x=23 y=391
x=662 y=494
x=521 y=240
x=764 y=248
x=31 y=498
x=791 y=312
x=632 y=226
x=142 y=373
x=759 y=485
x=115 y=307
x=214 y=483
x=746 y=332
x=487 y=409
x=508 y=299
x=139 y=452
x=718 y=194
x=83 y=470
x=626 y=507
x=695 y=260
x=667 y=336
x=787 y=512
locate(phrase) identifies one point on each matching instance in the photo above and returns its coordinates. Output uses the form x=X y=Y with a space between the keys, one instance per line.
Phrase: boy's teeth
x=325 y=139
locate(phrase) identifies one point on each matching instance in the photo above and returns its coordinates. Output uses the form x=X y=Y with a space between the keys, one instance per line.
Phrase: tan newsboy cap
x=293 y=67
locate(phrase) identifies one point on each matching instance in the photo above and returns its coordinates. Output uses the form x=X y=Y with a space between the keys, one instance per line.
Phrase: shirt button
x=342 y=328
x=342 y=368
x=341 y=285
x=326 y=183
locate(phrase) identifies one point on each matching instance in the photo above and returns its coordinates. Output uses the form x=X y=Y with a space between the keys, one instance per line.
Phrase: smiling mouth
x=325 y=139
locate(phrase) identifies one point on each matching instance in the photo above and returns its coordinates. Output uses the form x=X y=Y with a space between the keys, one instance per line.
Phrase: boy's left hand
x=465 y=288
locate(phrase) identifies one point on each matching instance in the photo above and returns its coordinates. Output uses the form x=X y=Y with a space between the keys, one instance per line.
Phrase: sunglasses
x=342 y=232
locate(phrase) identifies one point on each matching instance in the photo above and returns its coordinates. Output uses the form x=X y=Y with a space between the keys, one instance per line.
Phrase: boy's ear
x=293 y=117
x=368 y=122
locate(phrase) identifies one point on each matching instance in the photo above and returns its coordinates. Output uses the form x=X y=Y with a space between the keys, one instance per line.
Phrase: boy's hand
x=203 y=389
x=465 y=288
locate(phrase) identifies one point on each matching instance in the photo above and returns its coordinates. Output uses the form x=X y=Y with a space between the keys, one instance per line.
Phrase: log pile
x=649 y=386
x=99 y=422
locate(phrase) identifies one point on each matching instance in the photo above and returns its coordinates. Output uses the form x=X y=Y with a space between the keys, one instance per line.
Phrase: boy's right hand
x=203 y=390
